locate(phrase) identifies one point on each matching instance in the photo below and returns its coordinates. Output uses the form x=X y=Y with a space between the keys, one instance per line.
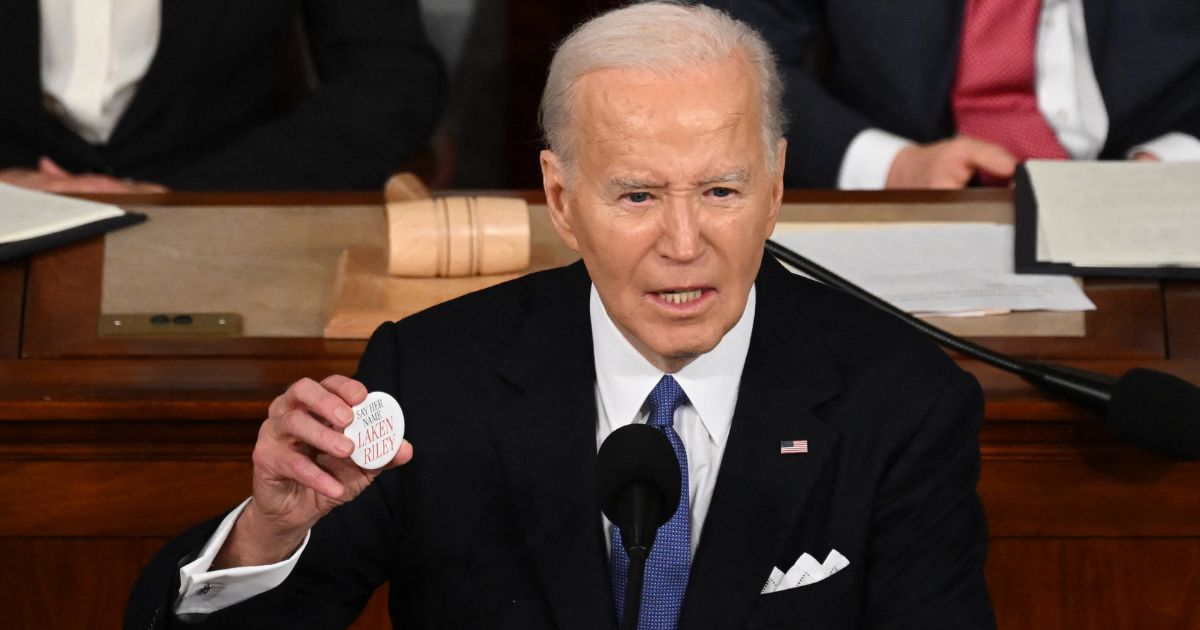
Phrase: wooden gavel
x=454 y=236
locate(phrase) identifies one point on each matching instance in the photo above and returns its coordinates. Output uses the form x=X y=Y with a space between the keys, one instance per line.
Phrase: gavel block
x=451 y=237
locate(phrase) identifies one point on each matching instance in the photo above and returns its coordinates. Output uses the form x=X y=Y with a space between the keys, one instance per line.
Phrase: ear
x=558 y=198
x=777 y=185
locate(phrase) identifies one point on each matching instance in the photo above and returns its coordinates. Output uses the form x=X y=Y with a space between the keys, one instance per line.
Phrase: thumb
x=991 y=158
x=50 y=167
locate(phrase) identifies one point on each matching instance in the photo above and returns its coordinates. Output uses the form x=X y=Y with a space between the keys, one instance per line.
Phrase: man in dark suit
x=804 y=423
x=1115 y=79
x=209 y=112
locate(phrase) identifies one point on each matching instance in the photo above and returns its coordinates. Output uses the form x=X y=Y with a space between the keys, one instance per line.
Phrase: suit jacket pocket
x=836 y=596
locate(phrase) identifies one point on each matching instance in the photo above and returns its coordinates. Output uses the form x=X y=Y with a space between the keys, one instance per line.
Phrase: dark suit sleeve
x=820 y=127
x=926 y=562
x=380 y=94
x=349 y=554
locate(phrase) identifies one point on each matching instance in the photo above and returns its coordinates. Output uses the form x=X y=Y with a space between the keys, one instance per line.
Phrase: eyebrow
x=633 y=183
x=737 y=176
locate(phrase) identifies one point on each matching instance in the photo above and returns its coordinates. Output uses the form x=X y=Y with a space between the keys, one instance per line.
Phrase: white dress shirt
x=1068 y=96
x=624 y=380
x=94 y=55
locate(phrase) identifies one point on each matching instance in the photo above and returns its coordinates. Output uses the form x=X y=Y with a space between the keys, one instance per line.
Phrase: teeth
x=680 y=297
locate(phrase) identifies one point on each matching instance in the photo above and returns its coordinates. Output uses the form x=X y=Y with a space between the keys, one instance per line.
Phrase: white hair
x=658 y=36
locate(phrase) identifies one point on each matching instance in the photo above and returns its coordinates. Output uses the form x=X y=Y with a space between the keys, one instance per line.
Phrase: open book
x=32 y=221
x=1108 y=218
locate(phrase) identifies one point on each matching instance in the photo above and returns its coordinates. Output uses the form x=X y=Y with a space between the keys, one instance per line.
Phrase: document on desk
x=1110 y=215
x=31 y=221
x=924 y=268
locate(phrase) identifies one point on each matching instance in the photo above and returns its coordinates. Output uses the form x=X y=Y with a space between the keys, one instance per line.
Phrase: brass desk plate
x=189 y=325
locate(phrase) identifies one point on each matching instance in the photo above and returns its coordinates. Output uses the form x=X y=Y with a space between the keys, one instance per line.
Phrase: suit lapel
x=1095 y=21
x=546 y=437
x=760 y=493
x=186 y=32
x=20 y=70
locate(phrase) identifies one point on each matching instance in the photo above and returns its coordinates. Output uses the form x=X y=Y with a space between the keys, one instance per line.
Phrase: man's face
x=669 y=201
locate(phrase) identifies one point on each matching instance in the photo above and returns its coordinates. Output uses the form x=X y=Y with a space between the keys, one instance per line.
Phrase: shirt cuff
x=202 y=592
x=1171 y=147
x=868 y=160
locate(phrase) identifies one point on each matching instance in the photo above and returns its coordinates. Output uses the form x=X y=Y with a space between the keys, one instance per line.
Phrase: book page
x=1117 y=214
x=26 y=214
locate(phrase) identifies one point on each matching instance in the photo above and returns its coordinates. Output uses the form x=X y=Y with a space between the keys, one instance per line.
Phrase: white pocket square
x=805 y=571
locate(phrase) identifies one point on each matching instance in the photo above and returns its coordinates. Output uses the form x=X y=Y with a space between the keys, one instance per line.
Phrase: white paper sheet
x=944 y=268
x=26 y=214
x=1117 y=214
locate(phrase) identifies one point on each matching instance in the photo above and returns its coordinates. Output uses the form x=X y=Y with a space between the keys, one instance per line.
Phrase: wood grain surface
x=110 y=446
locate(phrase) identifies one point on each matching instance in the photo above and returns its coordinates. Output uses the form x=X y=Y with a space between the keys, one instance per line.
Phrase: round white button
x=377 y=429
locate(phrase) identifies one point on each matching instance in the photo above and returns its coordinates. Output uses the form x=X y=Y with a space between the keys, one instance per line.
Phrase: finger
x=306 y=472
x=50 y=167
x=990 y=158
x=403 y=455
x=148 y=187
x=353 y=478
x=351 y=391
x=952 y=175
x=303 y=427
x=327 y=404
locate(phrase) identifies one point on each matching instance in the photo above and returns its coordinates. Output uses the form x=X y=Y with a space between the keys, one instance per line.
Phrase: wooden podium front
x=109 y=445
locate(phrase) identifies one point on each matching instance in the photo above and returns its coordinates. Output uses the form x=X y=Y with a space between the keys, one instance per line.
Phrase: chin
x=687 y=349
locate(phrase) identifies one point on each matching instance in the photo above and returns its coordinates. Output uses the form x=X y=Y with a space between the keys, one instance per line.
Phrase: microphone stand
x=1153 y=410
x=1089 y=388
x=642 y=503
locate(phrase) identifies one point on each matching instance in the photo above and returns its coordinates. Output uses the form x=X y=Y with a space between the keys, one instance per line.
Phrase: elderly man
x=803 y=423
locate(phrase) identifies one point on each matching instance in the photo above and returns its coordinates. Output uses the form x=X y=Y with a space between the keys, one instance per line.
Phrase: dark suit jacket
x=209 y=112
x=496 y=523
x=891 y=66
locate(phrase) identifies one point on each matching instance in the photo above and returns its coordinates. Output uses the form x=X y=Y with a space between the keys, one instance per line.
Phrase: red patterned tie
x=993 y=96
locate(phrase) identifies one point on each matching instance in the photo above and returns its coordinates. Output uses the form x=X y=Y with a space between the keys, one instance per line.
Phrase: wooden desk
x=110 y=446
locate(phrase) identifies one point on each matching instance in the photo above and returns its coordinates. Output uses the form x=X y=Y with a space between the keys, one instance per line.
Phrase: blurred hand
x=949 y=163
x=302 y=470
x=1144 y=156
x=50 y=177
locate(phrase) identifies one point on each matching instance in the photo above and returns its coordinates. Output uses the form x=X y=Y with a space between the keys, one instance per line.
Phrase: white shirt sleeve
x=202 y=591
x=868 y=160
x=1172 y=147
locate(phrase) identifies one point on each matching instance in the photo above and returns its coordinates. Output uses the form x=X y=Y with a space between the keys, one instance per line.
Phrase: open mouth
x=680 y=297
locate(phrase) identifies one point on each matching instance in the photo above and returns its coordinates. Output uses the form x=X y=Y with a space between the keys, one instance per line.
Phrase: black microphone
x=1154 y=410
x=638 y=478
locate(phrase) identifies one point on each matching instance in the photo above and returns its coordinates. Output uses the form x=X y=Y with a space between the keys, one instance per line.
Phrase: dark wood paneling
x=133 y=389
x=12 y=302
x=1182 y=303
x=76 y=583
x=1078 y=584
x=106 y=453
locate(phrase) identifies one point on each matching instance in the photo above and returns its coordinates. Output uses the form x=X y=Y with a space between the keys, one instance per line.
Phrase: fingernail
x=346 y=446
x=344 y=415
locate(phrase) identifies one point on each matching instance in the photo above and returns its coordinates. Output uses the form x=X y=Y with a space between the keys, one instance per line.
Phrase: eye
x=638 y=197
x=721 y=192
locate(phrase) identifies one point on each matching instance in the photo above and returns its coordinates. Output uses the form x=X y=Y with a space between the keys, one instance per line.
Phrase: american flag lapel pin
x=793 y=447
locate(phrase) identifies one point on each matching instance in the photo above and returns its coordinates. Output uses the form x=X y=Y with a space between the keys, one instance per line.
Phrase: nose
x=680 y=239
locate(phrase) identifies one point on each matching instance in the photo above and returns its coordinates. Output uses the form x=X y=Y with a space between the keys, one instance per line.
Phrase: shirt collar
x=625 y=378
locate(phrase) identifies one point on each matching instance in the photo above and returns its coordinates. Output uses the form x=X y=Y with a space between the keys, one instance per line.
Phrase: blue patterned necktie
x=670 y=557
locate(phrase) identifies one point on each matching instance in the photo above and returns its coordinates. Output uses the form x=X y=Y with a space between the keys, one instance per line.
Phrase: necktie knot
x=664 y=400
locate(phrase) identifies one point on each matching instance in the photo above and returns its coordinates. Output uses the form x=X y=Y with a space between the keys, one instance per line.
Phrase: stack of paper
x=945 y=268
